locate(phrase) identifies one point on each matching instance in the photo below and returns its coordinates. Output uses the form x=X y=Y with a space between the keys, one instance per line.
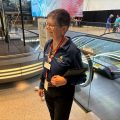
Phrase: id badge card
x=47 y=65
x=46 y=85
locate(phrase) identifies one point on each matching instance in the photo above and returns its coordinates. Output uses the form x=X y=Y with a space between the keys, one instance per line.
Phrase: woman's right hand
x=41 y=92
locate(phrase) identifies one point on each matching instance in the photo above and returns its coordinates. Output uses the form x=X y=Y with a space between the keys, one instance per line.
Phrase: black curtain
x=99 y=16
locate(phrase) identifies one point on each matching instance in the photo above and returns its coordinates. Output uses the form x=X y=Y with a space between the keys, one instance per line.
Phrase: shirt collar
x=67 y=44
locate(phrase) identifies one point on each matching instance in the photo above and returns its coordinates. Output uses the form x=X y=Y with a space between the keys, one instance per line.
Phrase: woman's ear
x=64 y=29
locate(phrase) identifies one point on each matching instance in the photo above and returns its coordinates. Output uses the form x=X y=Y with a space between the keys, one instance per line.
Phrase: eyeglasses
x=51 y=26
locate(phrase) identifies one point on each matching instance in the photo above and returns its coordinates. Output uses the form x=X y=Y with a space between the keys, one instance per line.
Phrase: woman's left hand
x=58 y=80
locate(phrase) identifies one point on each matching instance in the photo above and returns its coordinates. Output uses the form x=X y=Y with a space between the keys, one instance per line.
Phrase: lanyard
x=51 y=55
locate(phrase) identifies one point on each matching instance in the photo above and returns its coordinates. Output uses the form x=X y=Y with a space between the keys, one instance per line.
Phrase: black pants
x=59 y=106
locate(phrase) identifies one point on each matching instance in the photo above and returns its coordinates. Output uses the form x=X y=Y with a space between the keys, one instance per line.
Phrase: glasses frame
x=50 y=25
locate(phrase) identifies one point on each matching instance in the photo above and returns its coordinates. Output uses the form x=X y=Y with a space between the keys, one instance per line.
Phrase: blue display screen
x=40 y=8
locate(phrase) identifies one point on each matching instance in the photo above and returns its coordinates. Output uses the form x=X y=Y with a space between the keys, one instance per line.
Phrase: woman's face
x=53 y=29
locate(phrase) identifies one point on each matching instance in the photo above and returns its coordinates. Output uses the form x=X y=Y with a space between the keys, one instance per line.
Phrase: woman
x=108 y=23
x=60 y=55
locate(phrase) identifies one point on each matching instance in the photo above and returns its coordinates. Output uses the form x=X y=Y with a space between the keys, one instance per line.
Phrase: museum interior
x=22 y=39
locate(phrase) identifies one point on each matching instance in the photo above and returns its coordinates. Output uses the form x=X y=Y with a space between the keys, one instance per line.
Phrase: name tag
x=47 y=65
x=46 y=84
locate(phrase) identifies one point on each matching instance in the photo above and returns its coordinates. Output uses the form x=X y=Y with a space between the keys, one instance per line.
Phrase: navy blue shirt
x=67 y=57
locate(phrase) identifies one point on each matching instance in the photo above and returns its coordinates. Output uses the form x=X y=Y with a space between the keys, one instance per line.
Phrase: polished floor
x=20 y=101
x=104 y=97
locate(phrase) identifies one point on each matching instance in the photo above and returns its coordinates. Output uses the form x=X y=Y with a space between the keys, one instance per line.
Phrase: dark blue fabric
x=67 y=57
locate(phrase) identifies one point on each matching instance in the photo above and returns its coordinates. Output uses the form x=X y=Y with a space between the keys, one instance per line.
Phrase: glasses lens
x=51 y=25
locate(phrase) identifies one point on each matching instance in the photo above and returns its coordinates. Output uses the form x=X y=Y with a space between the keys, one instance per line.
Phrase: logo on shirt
x=60 y=59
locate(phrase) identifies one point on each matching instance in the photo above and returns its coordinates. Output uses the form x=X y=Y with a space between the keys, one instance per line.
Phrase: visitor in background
x=117 y=24
x=108 y=23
